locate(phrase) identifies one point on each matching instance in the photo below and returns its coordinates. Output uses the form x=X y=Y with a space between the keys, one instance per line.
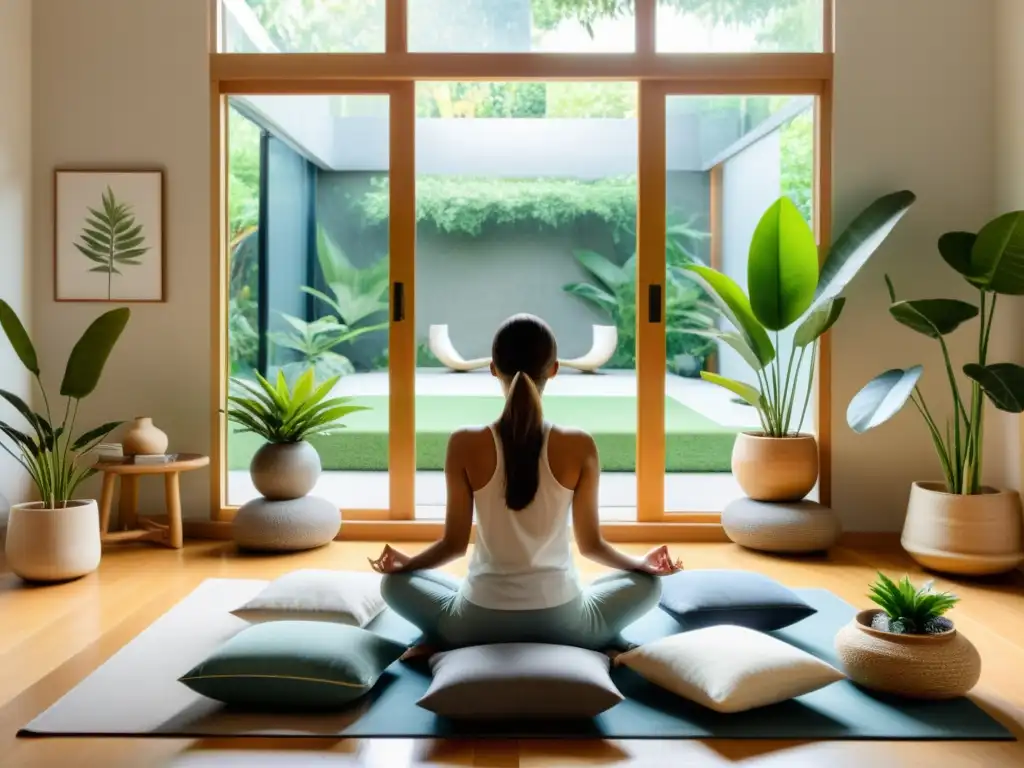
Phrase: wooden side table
x=145 y=530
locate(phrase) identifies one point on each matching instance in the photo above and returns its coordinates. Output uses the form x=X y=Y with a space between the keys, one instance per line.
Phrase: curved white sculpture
x=606 y=338
x=443 y=349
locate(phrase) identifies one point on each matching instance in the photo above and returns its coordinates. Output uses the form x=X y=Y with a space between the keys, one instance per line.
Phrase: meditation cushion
x=710 y=597
x=729 y=669
x=520 y=680
x=294 y=665
x=346 y=597
x=785 y=527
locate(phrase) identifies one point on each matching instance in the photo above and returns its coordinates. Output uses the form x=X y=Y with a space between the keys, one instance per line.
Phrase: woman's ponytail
x=521 y=428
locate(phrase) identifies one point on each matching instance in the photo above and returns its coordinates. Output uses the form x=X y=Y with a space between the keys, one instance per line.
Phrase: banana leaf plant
x=315 y=343
x=992 y=262
x=787 y=290
x=359 y=292
x=50 y=452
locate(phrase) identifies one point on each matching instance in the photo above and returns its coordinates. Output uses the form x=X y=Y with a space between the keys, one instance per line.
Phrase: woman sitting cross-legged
x=523 y=476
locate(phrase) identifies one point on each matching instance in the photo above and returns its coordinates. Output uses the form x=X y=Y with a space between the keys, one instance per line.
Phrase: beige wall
x=15 y=220
x=913 y=109
x=1009 y=170
x=124 y=81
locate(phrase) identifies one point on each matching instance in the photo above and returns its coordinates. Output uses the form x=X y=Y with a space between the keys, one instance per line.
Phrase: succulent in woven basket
x=907 y=610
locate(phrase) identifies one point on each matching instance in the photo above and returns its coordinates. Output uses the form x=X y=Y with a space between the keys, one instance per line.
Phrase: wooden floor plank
x=52 y=637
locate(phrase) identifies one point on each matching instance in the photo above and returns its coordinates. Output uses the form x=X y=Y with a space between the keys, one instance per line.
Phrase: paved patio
x=690 y=492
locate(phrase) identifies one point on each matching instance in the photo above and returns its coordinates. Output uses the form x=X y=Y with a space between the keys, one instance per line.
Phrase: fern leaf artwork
x=111 y=238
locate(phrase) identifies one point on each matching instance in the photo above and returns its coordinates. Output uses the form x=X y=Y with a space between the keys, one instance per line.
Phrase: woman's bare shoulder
x=470 y=439
x=572 y=439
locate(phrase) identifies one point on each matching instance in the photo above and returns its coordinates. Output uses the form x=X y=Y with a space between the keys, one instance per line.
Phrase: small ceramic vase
x=143 y=438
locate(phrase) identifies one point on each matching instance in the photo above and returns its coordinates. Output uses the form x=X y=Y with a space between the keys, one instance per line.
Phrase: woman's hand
x=658 y=562
x=390 y=560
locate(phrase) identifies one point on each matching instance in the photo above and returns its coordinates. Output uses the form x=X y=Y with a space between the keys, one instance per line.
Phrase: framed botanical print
x=108 y=240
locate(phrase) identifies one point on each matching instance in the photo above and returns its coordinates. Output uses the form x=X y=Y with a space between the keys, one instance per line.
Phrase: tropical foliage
x=49 y=451
x=908 y=610
x=467 y=205
x=111 y=238
x=280 y=413
x=786 y=288
x=992 y=263
x=613 y=292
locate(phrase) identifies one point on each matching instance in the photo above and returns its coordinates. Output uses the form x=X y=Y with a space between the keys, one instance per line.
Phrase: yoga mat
x=694 y=443
x=136 y=693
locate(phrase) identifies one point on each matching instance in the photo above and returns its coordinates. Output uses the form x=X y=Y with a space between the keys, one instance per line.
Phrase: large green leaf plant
x=992 y=262
x=788 y=291
x=51 y=452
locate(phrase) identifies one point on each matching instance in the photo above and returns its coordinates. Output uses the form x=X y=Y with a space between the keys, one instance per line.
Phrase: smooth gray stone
x=286 y=526
x=782 y=527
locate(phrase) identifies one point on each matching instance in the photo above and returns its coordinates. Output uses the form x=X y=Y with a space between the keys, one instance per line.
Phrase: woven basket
x=941 y=666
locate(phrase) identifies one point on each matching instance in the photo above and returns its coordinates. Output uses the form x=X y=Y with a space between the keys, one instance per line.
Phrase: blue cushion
x=706 y=598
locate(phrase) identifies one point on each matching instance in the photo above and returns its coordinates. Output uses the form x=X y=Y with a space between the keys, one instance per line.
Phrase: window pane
x=729 y=159
x=521 y=26
x=529 y=208
x=302 y=26
x=740 y=26
x=309 y=274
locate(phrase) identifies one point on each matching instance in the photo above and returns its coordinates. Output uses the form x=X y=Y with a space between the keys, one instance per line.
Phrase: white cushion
x=345 y=597
x=728 y=668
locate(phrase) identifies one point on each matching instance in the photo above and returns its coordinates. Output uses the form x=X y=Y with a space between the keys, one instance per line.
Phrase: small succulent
x=910 y=611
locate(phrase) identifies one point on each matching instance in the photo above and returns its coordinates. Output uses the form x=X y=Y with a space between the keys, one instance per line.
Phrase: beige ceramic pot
x=965 y=535
x=941 y=666
x=143 y=438
x=53 y=544
x=775 y=468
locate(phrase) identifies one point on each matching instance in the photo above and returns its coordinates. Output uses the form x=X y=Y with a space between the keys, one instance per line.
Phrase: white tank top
x=522 y=560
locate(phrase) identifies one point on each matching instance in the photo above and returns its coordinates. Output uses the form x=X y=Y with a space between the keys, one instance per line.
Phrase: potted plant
x=58 y=537
x=791 y=304
x=959 y=525
x=907 y=646
x=287 y=466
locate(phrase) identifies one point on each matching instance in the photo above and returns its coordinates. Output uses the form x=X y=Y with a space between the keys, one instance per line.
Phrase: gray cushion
x=520 y=680
x=705 y=598
x=294 y=665
x=286 y=526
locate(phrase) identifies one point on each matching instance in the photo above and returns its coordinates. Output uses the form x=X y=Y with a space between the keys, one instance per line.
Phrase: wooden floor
x=52 y=637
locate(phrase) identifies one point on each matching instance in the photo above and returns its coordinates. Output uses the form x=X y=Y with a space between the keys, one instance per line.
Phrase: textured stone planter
x=53 y=544
x=775 y=468
x=941 y=666
x=286 y=526
x=966 y=535
x=782 y=527
x=282 y=471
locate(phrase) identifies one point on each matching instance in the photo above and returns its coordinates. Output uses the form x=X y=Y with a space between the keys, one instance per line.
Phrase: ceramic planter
x=53 y=544
x=775 y=468
x=966 y=535
x=282 y=471
x=143 y=438
x=941 y=666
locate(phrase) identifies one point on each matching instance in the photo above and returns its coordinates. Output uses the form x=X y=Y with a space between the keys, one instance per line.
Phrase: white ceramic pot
x=966 y=535
x=282 y=471
x=53 y=544
x=775 y=468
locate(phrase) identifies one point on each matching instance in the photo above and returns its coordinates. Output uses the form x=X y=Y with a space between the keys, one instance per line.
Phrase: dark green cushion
x=289 y=665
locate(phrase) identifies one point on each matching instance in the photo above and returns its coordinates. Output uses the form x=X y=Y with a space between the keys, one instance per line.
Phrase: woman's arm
x=458 y=522
x=585 y=516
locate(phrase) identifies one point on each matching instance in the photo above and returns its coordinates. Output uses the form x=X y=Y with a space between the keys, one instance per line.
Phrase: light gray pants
x=594 y=620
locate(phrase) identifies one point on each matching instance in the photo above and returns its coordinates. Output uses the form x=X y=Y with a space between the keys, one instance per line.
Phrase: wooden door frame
x=394 y=72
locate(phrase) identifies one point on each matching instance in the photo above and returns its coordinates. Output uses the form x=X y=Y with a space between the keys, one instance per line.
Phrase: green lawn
x=693 y=443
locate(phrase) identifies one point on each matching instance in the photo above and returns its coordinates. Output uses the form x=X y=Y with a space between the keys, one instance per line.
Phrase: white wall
x=1009 y=169
x=913 y=109
x=123 y=83
x=15 y=221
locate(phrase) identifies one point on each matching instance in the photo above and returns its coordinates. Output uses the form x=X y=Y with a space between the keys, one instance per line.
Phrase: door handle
x=398 y=303
x=654 y=303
